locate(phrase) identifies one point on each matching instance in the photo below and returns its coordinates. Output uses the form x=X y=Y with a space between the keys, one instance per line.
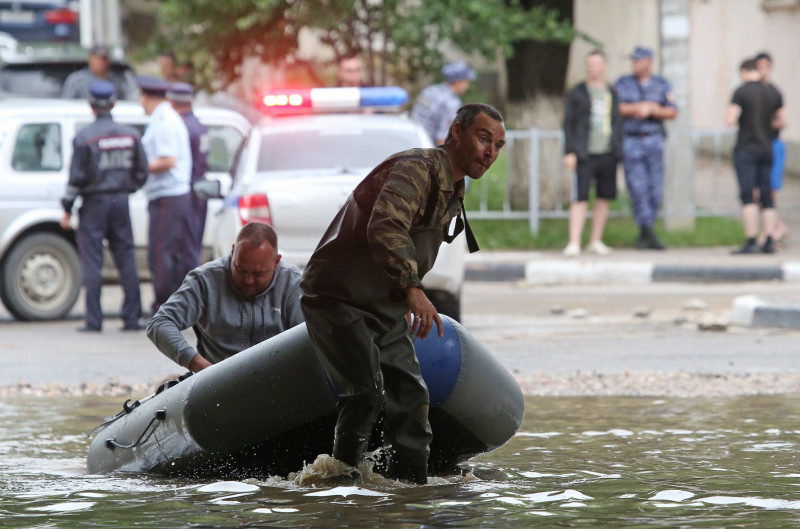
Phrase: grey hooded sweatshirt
x=225 y=322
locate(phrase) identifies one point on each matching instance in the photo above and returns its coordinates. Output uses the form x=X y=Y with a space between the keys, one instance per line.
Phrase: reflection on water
x=576 y=461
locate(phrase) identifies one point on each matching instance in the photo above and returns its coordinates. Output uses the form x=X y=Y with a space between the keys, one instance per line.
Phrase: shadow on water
x=591 y=462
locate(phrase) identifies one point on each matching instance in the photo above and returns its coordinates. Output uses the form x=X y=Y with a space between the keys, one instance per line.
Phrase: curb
x=752 y=311
x=554 y=272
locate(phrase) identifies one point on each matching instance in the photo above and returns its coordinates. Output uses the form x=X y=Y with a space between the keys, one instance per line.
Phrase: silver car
x=39 y=269
x=295 y=173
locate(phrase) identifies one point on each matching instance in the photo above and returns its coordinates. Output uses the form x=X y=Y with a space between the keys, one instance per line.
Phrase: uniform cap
x=100 y=50
x=101 y=94
x=640 y=52
x=180 y=92
x=457 y=70
x=152 y=85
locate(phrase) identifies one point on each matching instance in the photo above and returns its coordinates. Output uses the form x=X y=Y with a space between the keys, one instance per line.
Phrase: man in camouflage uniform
x=645 y=101
x=361 y=289
x=436 y=105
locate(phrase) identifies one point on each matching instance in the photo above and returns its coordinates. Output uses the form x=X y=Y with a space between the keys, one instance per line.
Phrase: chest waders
x=356 y=320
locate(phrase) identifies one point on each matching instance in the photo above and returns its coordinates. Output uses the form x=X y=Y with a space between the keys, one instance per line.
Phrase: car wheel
x=41 y=278
x=446 y=303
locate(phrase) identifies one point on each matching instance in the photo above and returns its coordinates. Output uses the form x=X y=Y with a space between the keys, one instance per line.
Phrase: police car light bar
x=331 y=99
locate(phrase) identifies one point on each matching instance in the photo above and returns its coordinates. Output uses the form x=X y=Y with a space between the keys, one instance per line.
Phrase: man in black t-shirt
x=755 y=108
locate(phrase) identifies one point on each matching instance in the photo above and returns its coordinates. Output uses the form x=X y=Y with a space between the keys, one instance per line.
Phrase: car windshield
x=45 y=79
x=328 y=148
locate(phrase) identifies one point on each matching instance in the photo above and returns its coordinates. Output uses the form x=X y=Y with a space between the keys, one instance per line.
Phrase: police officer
x=166 y=142
x=180 y=95
x=436 y=105
x=645 y=102
x=108 y=163
x=361 y=294
x=76 y=85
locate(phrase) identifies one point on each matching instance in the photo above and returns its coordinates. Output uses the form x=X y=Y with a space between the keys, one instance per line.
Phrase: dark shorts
x=753 y=169
x=602 y=168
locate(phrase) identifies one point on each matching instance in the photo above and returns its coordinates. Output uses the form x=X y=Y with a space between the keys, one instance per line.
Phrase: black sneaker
x=135 y=326
x=769 y=246
x=86 y=328
x=642 y=243
x=748 y=248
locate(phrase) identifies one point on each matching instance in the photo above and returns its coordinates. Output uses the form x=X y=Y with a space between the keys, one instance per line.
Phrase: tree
x=400 y=40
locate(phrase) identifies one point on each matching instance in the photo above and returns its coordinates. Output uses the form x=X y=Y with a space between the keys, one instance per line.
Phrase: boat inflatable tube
x=270 y=408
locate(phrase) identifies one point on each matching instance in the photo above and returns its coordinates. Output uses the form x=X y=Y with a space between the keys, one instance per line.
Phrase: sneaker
x=747 y=248
x=135 y=326
x=769 y=246
x=598 y=248
x=86 y=328
x=572 y=250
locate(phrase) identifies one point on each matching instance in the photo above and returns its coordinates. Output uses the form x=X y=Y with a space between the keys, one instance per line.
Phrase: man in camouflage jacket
x=361 y=289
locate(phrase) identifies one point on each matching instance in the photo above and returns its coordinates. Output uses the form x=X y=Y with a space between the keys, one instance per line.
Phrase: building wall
x=725 y=32
x=618 y=26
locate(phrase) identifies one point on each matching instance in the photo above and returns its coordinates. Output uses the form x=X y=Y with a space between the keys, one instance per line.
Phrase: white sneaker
x=597 y=247
x=572 y=250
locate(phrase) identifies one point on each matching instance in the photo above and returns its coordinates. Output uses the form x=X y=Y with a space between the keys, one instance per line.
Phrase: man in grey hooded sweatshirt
x=233 y=302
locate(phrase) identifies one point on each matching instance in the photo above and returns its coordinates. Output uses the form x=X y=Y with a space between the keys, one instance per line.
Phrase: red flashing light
x=287 y=99
x=61 y=16
x=254 y=208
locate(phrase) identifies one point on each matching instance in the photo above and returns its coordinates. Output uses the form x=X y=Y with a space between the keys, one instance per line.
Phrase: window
x=38 y=148
x=224 y=142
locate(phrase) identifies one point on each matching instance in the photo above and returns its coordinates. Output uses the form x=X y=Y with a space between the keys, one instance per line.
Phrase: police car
x=301 y=162
x=39 y=269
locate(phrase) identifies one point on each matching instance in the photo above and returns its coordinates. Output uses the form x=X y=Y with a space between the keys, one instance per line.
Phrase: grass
x=621 y=231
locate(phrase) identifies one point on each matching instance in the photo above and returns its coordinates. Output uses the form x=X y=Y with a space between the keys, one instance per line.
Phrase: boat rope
x=148 y=431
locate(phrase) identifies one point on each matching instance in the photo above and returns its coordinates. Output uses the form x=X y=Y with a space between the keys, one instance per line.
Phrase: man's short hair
x=748 y=65
x=596 y=51
x=763 y=55
x=170 y=54
x=256 y=233
x=466 y=116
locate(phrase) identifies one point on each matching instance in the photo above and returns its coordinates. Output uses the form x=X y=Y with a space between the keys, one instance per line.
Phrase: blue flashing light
x=334 y=99
x=383 y=96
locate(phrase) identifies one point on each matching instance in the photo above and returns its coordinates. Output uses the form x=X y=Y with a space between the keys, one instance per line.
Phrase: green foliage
x=621 y=232
x=399 y=39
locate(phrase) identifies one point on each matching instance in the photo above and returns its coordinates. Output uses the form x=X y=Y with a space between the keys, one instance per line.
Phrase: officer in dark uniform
x=108 y=163
x=645 y=101
x=180 y=95
x=362 y=286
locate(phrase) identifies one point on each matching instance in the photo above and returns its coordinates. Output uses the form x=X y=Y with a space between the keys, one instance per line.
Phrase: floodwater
x=585 y=462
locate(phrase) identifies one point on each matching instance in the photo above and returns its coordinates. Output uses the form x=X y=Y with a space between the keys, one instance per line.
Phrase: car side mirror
x=206 y=189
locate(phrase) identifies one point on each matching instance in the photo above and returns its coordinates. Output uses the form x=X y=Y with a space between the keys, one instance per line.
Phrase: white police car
x=39 y=269
x=299 y=165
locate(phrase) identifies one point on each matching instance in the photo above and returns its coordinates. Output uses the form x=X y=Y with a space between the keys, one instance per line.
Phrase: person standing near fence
x=592 y=149
x=755 y=109
x=645 y=102
x=764 y=66
x=436 y=106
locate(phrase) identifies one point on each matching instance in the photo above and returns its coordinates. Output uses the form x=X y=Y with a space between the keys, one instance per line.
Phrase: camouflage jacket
x=398 y=195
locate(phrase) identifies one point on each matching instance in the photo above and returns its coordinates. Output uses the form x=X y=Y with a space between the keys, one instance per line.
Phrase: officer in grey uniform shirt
x=108 y=163
x=436 y=105
x=76 y=86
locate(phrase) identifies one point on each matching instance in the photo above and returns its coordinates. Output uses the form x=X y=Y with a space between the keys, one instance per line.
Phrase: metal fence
x=534 y=168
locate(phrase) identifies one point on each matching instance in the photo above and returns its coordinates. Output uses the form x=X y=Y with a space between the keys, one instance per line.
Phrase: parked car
x=41 y=20
x=39 y=70
x=39 y=269
x=296 y=171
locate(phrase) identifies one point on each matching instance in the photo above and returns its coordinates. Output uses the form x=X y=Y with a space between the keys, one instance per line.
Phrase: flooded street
x=589 y=461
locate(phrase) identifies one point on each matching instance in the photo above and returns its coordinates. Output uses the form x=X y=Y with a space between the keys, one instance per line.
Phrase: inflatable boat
x=270 y=409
